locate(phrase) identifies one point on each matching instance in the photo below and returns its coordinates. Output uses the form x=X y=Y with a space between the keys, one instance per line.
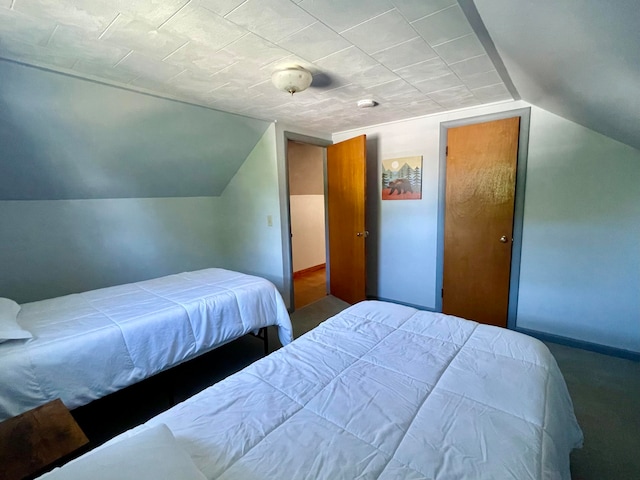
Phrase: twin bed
x=379 y=391
x=85 y=346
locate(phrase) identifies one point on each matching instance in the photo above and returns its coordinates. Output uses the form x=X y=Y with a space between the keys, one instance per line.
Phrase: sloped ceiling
x=64 y=138
x=579 y=60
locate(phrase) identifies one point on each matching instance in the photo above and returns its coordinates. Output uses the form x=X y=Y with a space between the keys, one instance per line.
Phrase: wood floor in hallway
x=309 y=287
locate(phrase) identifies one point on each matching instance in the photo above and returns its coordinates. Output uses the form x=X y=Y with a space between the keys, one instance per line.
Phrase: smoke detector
x=367 y=103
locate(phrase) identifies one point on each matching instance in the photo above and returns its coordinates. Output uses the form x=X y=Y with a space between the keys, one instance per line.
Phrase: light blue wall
x=248 y=243
x=580 y=266
x=52 y=248
x=580 y=274
x=401 y=248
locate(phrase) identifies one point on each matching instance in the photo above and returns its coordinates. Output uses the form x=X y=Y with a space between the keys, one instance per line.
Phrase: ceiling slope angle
x=64 y=138
x=579 y=60
x=412 y=57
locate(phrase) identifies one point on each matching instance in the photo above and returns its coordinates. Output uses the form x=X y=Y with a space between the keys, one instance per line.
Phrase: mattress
x=383 y=391
x=90 y=344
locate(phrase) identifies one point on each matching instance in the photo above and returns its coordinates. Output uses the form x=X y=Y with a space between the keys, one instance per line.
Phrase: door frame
x=518 y=214
x=285 y=199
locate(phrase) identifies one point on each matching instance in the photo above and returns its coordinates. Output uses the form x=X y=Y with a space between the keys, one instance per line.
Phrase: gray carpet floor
x=310 y=316
x=605 y=392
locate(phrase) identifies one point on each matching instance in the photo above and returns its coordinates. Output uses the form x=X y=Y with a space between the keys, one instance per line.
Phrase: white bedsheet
x=388 y=392
x=88 y=345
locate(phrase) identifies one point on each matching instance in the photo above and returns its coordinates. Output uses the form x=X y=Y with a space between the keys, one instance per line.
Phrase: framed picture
x=402 y=178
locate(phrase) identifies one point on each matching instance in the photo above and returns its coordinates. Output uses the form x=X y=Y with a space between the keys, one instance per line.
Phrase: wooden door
x=478 y=230
x=346 y=195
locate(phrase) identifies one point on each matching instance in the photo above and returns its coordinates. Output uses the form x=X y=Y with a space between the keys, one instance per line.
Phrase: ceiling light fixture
x=292 y=79
x=367 y=103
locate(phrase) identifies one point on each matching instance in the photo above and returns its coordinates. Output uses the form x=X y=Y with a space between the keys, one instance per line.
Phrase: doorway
x=307 y=216
x=344 y=182
x=466 y=238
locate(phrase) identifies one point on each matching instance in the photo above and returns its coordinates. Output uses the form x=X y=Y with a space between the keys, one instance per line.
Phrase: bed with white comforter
x=380 y=391
x=90 y=344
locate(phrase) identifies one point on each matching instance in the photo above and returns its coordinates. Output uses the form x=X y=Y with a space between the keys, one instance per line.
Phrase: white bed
x=90 y=344
x=379 y=391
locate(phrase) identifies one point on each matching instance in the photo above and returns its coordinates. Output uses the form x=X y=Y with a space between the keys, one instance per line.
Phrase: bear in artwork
x=401 y=185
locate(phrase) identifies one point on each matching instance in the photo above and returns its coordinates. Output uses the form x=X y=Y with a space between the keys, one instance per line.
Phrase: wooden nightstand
x=36 y=439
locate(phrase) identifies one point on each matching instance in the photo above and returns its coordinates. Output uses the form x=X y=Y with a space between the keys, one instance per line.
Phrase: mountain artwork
x=402 y=178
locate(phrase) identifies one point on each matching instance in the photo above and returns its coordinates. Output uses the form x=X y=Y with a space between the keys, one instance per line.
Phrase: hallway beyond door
x=309 y=286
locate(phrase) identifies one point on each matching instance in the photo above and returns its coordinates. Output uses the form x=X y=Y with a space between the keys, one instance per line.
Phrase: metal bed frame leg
x=263 y=334
x=266 y=340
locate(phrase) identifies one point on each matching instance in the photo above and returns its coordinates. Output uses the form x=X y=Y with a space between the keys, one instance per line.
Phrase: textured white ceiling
x=414 y=57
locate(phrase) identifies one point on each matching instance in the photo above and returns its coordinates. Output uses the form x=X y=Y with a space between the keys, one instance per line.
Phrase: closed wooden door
x=478 y=230
x=346 y=195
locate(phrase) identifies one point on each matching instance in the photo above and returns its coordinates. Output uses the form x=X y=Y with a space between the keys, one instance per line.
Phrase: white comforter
x=388 y=392
x=88 y=345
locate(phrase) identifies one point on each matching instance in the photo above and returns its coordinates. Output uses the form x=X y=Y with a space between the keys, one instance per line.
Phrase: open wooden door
x=346 y=195
x=478 y=228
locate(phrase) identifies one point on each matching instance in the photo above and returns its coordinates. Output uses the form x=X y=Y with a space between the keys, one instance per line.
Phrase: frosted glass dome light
x=292 y=79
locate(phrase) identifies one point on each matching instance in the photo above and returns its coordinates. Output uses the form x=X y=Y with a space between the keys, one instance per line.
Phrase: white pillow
x=9 y=328
x=152 y=454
